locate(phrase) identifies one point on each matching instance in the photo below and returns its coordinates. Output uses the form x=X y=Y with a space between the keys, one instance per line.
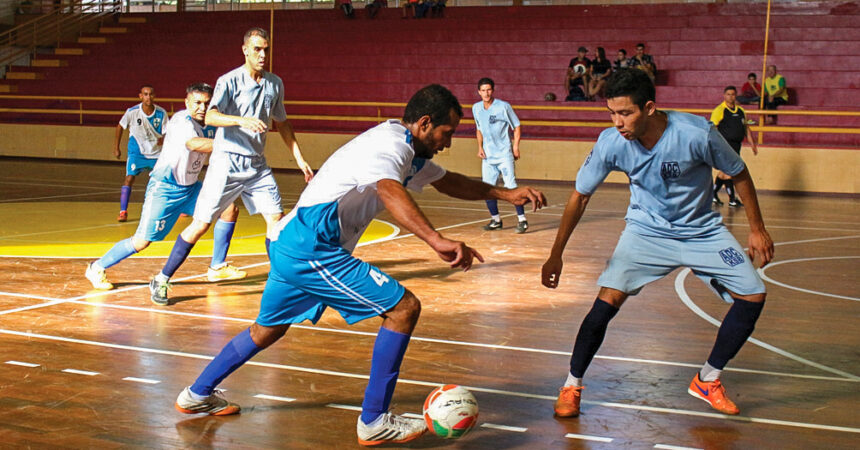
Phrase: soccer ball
x=450 y=411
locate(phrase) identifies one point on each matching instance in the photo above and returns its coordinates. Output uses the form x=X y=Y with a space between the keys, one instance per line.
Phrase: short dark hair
x=730 y=88
x=582 y=49
x=640 y=45
x=623 y=51
x=633 y=83
x=435 y=101
x=751 y=74
x=146 y=86
x=256 y=31
x=203 y=88
x=486 y=80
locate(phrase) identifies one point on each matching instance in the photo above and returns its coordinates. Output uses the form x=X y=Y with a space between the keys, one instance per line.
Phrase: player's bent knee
x=407 y=310
x=265 y=336
x=754 y=298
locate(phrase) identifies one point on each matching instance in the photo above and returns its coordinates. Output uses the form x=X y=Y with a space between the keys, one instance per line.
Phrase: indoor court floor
x=101 y=369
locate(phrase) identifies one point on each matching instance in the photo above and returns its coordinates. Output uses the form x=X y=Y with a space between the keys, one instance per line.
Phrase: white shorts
x=230 y=175
x=490 y=172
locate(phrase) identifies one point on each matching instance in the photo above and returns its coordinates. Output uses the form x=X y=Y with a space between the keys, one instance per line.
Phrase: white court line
x=346 y=407
x=808 y=291
x=141 y=380
x=274 y=397
x=436 y=384
x=80 y=372
x=675 y=447
x=504 y=427
x=18 y=200
x=585 y=437
x=26 y=308
x=22 y=364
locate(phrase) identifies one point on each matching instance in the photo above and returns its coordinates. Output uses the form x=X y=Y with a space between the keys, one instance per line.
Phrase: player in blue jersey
x=494 y=121
x=145 y=123
x=313 y=267
x=245 y=102
x=173 y=186
x=668 y=157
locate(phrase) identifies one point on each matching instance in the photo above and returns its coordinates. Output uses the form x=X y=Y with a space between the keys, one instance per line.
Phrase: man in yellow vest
x=775 y=92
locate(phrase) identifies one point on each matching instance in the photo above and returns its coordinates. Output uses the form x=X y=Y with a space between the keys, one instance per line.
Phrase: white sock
x=521 y=217
x=162 y=278
x=573 y=381
x=197 y=397
x=375 y=421
x=97 y=267
x=219 y=266
x=496 y=217
x=709 y=373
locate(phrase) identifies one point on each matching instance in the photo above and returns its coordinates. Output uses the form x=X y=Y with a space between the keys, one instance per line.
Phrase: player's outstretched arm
x=759 y=241
x=215 y=118
x=551 y=270
x=460 y=186
x=285 y=129
x=199 y=145
x=401 y=205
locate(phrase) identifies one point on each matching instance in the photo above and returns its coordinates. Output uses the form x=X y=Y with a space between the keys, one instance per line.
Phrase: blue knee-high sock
x=493 y=206
x=178 y=254
x=238 y=351
x=384 y=369
x=223 y=232
x=737 y=326
x=590 y=336
x=123 y=198
x=120 y=251
x=521 y=211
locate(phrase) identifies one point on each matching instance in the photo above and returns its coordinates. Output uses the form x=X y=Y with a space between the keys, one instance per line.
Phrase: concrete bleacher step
x=113 y=30
x=92 y=40
x=49 y=63
x=24 y=76
x=71 y=51
x=132 y=19
x=8 y=88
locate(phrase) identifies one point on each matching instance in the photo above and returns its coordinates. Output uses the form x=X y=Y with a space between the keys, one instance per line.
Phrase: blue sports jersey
x=495 y=124
x=670 y=185
x=144 y=131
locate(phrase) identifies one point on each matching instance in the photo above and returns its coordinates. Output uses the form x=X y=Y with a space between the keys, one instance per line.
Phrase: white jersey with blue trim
x=341 y=200
x=495 y=124
x=177 y=164
x=237 y=94
x=144 y=131
x=670 y=184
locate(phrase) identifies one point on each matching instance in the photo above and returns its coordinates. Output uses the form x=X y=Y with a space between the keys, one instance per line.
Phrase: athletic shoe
x=390 y=428
x=522 y=226
x=215 y=404
x=717 y=200
x=226 y=272
x=158 y=292
x=98 y=278
x=567 y=404
x=122 y=217
x=493 y=225
x=714 y=394
x=735 y=203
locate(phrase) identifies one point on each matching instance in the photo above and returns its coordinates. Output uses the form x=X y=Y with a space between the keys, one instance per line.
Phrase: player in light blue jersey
x=245 y=102
x=494 y=121
x=668 y=157
x=145 y=123
x=313 y=267
x=173 y=187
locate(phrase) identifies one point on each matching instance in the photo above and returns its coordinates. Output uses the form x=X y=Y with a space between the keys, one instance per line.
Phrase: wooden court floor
x=87 y=369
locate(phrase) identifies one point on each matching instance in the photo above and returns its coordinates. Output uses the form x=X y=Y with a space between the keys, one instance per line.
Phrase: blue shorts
x=718 y=260
x=301 y=289
x=163 y=204
x=490 y=172
x=136 y=163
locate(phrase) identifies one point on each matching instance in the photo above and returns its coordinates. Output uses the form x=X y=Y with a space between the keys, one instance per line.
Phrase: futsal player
x=668 y=157
x=145 y=123
x=312 y=267
x=731 y=122
x=172 y=190
x=245 y=102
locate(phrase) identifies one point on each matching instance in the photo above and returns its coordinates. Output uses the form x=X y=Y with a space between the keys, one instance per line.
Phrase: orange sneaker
x=567 y=404
x=714 y=394
x=122 y=217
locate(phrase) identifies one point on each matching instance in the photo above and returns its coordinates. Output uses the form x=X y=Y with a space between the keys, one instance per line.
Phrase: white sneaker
x=390 y=428
x=98 y=278
x=215 y=404
x=225 y=272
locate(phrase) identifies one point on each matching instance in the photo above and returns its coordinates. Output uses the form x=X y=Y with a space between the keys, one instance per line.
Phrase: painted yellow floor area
x=89 y=229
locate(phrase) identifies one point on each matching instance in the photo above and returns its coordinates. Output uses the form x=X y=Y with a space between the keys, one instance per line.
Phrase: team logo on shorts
x=731 y=256
x=670 y=170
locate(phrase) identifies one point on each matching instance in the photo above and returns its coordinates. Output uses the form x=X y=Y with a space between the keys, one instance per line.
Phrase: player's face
x=486 y=92
x=256 y=52
x=629 y=119
x=730 y=96
x=197 y=103
x=146 y=96
x=430 y=139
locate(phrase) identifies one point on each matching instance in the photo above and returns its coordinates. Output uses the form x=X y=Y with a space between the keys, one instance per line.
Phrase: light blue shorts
x=718 y=260
x=163 y=204
x=490 y=172
x=136 y=163
x=231 y=175
x=301 y=289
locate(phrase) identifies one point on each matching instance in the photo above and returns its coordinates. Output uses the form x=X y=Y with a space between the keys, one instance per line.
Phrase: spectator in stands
x=750 y=92
x=731 y=122
x=438 y=8
x=621 y=60
x=374 y=7
x=644 y=61
x=407 y=6
x=346 y=6
x=775 y=92
x=600 y=69
x=421 y=8
x=576 y=79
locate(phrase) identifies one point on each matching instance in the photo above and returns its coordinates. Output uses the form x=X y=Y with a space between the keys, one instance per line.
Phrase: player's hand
x=253 y=124
x=527 y=194
x=516 y=154
x=306 y=169
x=551 y=272
x=116 y=153
x=481 y=154
x=755 y=149
x=761 y=244
x=457 y=253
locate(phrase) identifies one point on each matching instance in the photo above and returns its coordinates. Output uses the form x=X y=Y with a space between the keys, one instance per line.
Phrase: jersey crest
x=670 y=169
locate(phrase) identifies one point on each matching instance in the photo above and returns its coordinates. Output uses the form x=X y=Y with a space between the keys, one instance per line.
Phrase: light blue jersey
x=495 y=125
x=670 y=185
x=237 y=94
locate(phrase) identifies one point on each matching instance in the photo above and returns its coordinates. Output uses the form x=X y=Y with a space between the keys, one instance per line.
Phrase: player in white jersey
x=313 y=268
x=173 y=186
x=245 y=102
x=145 y=123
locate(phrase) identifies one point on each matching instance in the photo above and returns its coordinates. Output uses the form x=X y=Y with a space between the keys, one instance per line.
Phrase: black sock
x=737 y=326
x=590 y=336
x=730 y=188
x=718 y=184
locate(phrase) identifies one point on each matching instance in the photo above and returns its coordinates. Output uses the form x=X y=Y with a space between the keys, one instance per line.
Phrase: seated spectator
x=346 y=6
x=576 y=79
x=421 y=8
x=644 y=61
x=374 y=7
x=600 y=69
x=407 y=6
x=750 y=92
x=621 y=61
x=437 y=8
x=775 y=92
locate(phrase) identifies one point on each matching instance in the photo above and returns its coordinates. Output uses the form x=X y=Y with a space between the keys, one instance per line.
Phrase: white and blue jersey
x=670 y=184
x=495 y=124
x=144 y=131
